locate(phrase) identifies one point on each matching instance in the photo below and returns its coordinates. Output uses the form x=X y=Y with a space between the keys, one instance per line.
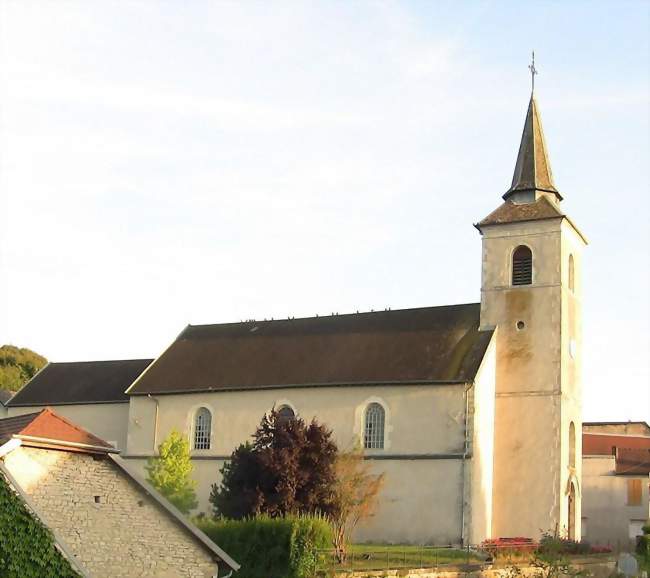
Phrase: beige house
x=104 y=518
x=616 y=482
x=470 y=410
x=89 y=393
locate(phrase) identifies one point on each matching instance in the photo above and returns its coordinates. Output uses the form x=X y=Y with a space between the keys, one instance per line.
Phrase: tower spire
x=533 y=169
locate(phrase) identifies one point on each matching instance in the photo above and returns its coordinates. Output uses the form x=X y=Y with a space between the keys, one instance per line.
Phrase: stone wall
x=111 y=525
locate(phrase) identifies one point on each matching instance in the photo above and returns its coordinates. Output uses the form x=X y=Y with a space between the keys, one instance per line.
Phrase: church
x=473 y=411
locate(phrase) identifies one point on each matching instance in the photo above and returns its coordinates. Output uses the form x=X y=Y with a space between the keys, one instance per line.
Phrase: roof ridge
x=330 y=316
x=143 y=359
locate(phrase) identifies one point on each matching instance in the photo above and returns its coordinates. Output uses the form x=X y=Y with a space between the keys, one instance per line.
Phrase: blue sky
x=165 y=163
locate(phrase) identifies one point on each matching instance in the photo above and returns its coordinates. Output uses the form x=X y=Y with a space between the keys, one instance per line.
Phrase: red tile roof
x=48 y=429
x=605 y=444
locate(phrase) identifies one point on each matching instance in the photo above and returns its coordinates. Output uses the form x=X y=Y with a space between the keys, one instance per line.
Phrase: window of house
x=522 y=266
x=373 y=438
x=202 y=429
x=571 y=273
x=634 y=492
x=285 y=413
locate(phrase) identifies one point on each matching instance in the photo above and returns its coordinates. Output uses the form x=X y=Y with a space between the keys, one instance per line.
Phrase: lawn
x=384 y=557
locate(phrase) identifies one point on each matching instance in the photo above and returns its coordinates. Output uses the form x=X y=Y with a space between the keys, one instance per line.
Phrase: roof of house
x=80 y=382
x=48 y=429
x=595 y=444
x=5 y=396
x=633 y=461
x=425 y=345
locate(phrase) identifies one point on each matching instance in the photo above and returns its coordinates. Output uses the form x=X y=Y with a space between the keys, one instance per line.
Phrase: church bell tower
x=531 y=293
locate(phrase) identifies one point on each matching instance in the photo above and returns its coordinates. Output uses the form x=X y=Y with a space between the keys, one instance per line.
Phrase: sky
x=165 y=163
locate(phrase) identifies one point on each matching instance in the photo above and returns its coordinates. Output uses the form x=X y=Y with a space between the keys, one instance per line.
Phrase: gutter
x=155 y=424
x=464 y=458
x=52 y=442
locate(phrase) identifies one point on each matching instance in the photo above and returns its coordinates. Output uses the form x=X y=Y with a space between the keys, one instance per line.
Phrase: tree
x=170 y=472
x=287 y=469
x=355 y=493
x=17 y=366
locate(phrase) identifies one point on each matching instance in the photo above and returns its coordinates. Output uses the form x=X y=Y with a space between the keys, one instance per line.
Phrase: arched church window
x=373 y=436
x=571 y=274
x=522 y=266
x=285 y=413
x=202 y=429
x=572 y=445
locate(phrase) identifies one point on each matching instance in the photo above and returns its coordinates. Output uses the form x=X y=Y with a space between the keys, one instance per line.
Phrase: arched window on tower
x=373 y=431
x=572 y=445
x=285 y=413
x=572 y=273
x=522 y=266
x=202 y=429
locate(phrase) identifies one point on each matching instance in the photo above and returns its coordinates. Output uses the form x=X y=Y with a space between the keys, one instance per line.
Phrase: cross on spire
x=533 y=72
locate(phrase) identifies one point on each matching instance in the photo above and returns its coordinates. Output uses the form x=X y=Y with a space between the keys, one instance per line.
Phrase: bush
x=271 y=547
x=643 y=543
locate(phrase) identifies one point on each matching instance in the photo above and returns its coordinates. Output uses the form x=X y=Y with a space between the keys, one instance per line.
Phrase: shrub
x=643 y=543
x=288 y=469
x=271 y=547
x=497 y=547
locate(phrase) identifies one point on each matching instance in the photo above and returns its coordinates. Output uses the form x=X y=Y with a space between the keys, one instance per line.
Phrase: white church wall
x=422 y=498
x=108 y=421
x=480 y=483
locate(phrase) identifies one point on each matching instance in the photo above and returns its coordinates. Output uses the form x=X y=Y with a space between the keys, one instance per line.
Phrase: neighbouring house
x=5 y=396
x=615 y=482
x=104 y=518
x=472 y=411
x=89 y=393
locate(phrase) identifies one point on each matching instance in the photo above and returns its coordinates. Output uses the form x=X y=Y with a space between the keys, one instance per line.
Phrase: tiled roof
x=533 y=168
x=80 y=382
x=51 y=430
x=10 y=426
x=606 y=444
x=633 y=461
x=509 y=212
x=433 y=344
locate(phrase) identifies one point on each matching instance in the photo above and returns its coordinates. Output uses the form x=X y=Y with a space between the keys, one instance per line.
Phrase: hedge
x=271 y=547
x=27 y=547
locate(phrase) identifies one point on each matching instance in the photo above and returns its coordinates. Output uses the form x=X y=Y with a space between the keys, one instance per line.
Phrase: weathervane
x=533 y=71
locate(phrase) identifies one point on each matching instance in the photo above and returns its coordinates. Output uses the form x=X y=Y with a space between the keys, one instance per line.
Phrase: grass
x=384 y=557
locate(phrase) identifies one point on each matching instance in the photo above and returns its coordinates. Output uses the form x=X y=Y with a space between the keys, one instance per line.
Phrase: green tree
x=17 y=366
x=171 y=470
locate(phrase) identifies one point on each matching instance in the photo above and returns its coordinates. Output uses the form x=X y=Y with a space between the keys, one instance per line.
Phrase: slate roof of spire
x=533 y=168
x=424 y=345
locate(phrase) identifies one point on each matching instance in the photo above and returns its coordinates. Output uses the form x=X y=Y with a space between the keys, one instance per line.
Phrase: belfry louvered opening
x=522 y=266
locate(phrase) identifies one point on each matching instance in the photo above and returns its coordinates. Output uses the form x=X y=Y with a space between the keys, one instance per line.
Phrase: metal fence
x=432 y=558
x=361 y=558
